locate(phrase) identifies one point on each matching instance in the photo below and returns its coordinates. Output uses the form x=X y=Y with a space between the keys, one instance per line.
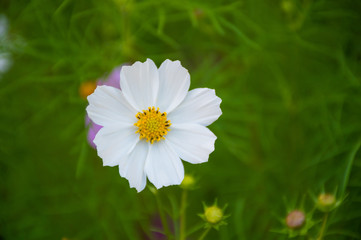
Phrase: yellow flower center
x=152 y=124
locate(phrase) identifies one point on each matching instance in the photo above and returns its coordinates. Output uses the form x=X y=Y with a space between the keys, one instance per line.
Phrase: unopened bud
x=87 y=88
x=287 y=6
x=213 y=214
x=295 y=219
x=326 y=202
x=188 y=182
x=326 y=199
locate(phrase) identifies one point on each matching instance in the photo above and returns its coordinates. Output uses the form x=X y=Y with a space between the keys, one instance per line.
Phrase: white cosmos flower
x=153 y=122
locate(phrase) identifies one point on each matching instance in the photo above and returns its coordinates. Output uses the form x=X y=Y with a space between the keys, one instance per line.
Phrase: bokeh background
x=289 y=75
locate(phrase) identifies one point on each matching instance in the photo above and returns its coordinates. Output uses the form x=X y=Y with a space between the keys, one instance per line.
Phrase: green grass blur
x=289 y=75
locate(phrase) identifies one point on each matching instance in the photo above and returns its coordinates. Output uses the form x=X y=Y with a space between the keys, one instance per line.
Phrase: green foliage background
x=289 y=75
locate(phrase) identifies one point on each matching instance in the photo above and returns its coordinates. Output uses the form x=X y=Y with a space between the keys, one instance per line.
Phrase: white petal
x=115 y=142
x=140 y=83
x=201 y=105
x=174 y=81
x=107 y=106
x=163 y=166
x=132 y=167
x=192 y=142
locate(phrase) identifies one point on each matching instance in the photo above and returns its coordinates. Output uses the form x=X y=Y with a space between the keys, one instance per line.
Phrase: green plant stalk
x=183 y=207
x=349 y=168
x=163 y=217
x=204 y=234
x=323 y=227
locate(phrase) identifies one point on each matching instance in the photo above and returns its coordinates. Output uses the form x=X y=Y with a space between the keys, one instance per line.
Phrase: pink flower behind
x=112 y=80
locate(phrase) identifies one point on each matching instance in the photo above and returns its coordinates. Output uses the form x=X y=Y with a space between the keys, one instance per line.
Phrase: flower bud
x=295 y=219
x=188 y=182
x=326 y=202
x=287 y=6
x=213 y=214
x=87 y=88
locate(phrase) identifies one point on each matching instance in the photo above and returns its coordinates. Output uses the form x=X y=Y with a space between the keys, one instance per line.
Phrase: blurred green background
x=289 y=75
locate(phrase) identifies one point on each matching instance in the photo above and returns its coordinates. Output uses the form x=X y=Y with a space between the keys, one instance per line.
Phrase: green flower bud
x=326 y=202
x=287 y=6
x=188 y=182
x=213 y=214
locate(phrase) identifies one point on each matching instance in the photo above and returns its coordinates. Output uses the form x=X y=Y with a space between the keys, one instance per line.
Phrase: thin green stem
x=163 y=217
x=183 y=207
x=204 y=234
x=349 y=167
x=323 y=228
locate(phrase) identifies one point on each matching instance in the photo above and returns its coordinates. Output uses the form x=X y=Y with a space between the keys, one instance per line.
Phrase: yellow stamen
x=152 y=124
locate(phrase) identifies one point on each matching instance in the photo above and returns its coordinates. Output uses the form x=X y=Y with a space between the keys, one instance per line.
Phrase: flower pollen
x=152 y=124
